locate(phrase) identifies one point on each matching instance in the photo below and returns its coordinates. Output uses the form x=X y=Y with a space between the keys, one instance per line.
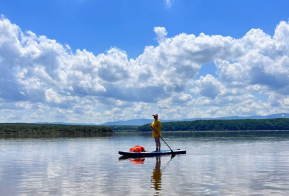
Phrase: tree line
x=27 y=128
x=123 y=128
x=196 y=125
x=223 y=125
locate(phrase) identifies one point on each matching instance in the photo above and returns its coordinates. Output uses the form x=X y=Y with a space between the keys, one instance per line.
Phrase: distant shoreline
x=52 y=129
x=224 y=125
x=208 y=131
x=196 y=126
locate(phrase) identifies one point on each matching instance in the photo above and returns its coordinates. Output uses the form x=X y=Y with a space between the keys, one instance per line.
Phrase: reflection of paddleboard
x=151 y=153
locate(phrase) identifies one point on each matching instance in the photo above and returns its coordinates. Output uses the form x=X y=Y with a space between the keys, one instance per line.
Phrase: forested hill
x=54 y=129
x=223 y=125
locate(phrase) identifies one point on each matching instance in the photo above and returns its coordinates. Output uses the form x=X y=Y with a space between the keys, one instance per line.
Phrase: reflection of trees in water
x=157 y=175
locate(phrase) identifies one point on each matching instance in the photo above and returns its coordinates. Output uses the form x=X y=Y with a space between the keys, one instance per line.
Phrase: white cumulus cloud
x=37 y=70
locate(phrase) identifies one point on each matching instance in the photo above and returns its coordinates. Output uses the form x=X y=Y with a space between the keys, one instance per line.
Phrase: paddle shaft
x=164 y=141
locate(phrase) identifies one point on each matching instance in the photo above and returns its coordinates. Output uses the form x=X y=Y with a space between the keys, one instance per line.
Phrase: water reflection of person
x=157 y=175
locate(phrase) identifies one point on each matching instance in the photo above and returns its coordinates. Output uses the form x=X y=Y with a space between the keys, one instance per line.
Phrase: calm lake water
x=215 y=164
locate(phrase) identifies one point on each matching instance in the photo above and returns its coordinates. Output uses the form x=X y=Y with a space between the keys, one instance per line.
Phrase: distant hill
x=276 y=124
x=135 y=122
x=281 y=115
x=64 y=123
x=139 y=122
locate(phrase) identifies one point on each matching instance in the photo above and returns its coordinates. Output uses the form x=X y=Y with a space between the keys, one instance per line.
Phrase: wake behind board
x=151 y=153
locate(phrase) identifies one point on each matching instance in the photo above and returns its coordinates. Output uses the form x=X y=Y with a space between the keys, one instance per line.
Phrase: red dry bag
x=137 y=148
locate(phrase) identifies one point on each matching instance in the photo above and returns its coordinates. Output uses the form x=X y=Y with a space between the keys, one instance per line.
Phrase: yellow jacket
x=157 y=125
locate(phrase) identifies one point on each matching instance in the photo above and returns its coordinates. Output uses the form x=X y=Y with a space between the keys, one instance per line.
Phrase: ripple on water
x=90 y=166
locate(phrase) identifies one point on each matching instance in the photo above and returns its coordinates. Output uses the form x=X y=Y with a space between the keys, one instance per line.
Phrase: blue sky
x=128 y=25
x=86 y=61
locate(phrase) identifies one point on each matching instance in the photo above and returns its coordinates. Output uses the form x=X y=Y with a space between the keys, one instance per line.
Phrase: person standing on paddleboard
x=156 y=127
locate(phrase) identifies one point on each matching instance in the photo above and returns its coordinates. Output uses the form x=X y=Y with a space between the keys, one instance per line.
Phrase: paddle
x=173 y=154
